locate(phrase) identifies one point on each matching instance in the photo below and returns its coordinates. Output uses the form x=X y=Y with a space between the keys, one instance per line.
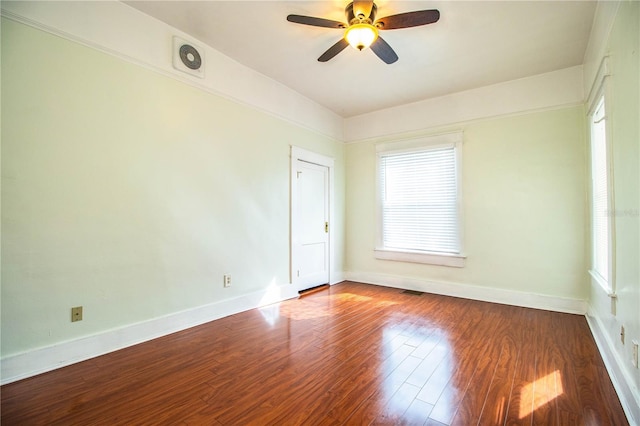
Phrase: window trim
x=409 y=145
x=600 y=94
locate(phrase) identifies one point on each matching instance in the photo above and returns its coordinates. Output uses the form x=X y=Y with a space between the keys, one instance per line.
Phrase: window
x=600 y=209
x=419 y=216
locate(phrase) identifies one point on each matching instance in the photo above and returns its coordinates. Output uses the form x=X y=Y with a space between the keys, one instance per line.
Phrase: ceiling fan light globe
x=361 y=36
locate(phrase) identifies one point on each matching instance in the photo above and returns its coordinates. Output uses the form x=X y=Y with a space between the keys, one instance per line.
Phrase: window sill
x=602 y=283
x=452 y=260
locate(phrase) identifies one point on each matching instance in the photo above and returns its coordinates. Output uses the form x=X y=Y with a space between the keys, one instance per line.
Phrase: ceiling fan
x=362 y=28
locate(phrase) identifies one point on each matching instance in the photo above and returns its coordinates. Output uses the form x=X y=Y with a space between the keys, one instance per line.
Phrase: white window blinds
x=419 y=195
x=600 y=195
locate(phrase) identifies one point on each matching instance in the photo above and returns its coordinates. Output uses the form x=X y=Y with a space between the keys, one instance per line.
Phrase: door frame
x=300 y=154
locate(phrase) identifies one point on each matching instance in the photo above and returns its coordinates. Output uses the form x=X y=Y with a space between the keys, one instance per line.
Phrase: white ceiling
x=475 y=43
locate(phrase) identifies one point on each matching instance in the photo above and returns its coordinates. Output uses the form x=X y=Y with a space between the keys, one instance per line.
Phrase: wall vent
x=413 y=292
x=188 y=57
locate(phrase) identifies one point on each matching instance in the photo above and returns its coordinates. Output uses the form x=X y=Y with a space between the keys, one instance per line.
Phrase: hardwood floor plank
x=520 y=407
x=437 y=381
x=520 y=404
x=472 y=404
x=417 y=413
x=393 y=412
x=569 y=399
x=492 y=365
x=366 y=405
x=496 y=405
x=441 y=376
x=348 y=393
x=479 y=356
x=349 y=355
x=423 y=372
x=545 y=389
x=615 y=413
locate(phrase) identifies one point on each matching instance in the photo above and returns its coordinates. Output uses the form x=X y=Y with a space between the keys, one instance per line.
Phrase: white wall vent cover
x=188 y=57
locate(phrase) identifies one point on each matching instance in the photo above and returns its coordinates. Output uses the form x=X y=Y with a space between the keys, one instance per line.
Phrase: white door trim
x=300 y=154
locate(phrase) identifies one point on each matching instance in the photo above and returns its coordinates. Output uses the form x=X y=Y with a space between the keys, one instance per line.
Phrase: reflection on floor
x=354 y=354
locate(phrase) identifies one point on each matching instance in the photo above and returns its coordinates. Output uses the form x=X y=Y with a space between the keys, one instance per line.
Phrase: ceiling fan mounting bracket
x=352 y=18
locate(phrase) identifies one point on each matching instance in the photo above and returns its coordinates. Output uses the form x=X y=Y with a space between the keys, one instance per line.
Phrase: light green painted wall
x=624 y=111
x=623 y=115
x=523 y=183
x=131 y=194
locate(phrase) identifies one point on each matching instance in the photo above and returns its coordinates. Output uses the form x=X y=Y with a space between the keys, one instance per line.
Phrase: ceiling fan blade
x=384 y=51
x=362 y=7
x=316 y=22
x=333 y=50
x=409 y=19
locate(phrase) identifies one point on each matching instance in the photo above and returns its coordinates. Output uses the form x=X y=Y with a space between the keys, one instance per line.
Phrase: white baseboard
x=337 y=277
x=621 y=381
x=21 y=366
x=467 y=291
x=49 y=358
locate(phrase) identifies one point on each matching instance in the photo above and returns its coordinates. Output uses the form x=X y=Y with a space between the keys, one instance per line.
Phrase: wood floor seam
x=351 y=354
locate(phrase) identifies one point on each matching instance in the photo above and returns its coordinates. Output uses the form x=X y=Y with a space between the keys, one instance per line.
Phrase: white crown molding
x=147 y=42
x=621 y=382
x=475 y=292
x=603 y=20
x=553 y=90
x=37 y=361
x=603 y=71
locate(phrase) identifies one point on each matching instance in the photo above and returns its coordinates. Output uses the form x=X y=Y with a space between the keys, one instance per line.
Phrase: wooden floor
x=354 y=354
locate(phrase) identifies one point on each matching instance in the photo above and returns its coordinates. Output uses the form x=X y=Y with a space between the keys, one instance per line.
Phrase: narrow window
x=601 y=214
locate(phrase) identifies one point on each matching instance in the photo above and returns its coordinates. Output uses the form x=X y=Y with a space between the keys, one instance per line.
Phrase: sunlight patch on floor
x=349 y=297
x=317 y=306
x=540 y=392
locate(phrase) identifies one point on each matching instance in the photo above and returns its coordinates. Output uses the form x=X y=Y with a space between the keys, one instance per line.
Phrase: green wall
x=623 y=118
x=131 y=193
x=523 y=195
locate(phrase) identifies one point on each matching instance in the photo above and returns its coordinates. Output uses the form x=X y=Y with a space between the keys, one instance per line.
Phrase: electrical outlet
x=227 y=280
x=622 y=334
x=76 y=314
x=634 y=356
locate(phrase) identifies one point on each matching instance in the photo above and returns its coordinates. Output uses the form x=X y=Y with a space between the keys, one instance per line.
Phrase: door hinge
x=326 y=227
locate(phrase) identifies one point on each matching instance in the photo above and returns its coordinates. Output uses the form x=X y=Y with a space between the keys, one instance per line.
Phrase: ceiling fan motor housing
x=353 y=19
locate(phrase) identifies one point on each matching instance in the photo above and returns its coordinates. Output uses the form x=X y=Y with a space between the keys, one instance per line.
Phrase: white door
x=310 y=225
